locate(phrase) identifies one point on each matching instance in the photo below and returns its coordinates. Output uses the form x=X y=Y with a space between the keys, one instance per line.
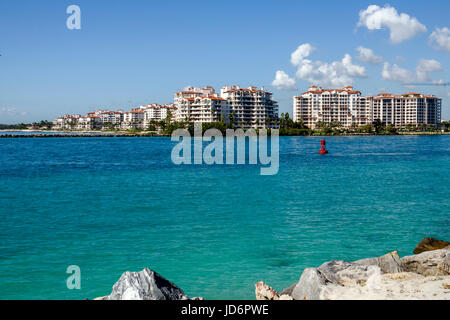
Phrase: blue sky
x=134 y=52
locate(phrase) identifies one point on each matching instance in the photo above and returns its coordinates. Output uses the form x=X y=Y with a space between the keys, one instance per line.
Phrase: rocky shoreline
x=424 y=275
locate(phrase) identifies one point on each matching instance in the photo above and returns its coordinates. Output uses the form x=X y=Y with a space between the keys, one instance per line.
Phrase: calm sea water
x=110 y=205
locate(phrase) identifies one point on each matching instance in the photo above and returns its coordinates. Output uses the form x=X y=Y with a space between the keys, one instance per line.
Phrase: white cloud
x=401 y=26
x=366 y=55
x=334 y=74
x=425 y=67
x=283 y=82
x=303 y=51
x=395 y=73
x=423 y=70
x=440 y=38
x=352 y=69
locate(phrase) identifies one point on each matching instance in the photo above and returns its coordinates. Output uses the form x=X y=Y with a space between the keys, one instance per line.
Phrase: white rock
x=145 y=285
x=429 y=263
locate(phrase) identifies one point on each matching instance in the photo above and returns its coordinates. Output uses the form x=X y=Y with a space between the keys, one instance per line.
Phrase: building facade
x=318 y=105
x=251 y=107
x=407 y=109
x=156 y=112
x=89 y=122
x=348 y=108
x=133 y=120
x=245 y=107
x=67 y=122
x=193 y=103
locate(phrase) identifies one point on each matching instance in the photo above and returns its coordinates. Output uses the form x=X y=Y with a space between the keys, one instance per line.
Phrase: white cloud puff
x=423 y=70
x=425 y=67
x=440 y=39
x=366 y=55
x=395 y=73
x=334 y=74
x=401 y=26
x=303 y=51
x=283 y=81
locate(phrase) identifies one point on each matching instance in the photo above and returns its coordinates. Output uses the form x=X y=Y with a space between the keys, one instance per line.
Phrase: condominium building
x=110 y=117
x=89 y=122
x=348 y=108
x=156 y=112
x=67 y=122
x=344 y=106
x=133 y=120
x=246 y=107
x=407 y=109
x=251 y=107
x=101 y=119
x=188 y=103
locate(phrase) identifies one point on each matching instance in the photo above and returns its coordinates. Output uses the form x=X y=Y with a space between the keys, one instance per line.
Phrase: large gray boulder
x=429 y=263
x=422 y=276
x=145 y=285
x=389 y=263
x=315 y=283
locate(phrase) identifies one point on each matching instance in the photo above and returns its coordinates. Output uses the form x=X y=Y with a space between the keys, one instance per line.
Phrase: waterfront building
x=318 y=105
x=251 y=107
x=348 y=108
x=89 y=122
x=105 y=119
x=67 y=122
x=245 y=107
x=133 y=120
x=156 y=112
x=207 y=108
x=407 y=109
x=187 y=108
x=138 y=118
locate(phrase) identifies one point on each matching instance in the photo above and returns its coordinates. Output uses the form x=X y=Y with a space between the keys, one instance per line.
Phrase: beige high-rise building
x=410 y=108
x=343 y=106
x=189 y=102
x=348 y=108
x=251 y=107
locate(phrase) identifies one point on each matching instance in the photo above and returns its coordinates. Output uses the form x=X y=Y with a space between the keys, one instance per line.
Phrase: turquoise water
x=114 y=204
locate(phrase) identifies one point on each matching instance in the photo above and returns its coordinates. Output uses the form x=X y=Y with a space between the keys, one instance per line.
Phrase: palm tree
x=377 y=124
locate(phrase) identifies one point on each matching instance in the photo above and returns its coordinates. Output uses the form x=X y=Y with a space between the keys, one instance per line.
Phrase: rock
x=422 y=276
x=102 y=298
x=310 y=285
x=389 y=263
x=288 y=291
x=265 y=292
x=145 y=285
x=394 y=286
x=314 y=283
x=429 y=263
x=429 y=244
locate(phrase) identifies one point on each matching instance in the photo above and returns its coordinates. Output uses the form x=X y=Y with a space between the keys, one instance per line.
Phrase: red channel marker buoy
x=323 y=149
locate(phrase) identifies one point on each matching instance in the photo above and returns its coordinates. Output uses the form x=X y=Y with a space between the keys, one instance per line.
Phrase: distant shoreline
x=116 y=134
